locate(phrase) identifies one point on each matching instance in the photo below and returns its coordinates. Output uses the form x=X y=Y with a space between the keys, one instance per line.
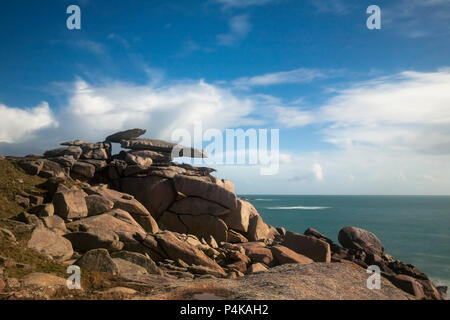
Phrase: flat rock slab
x=125 y=135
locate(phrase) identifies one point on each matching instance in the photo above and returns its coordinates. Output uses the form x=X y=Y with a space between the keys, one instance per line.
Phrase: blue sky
x=359 y=111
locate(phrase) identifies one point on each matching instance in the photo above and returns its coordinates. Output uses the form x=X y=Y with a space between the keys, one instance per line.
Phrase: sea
x=413 y=229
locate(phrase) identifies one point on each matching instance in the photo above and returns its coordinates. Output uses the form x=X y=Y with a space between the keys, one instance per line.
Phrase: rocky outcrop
x=142 y=218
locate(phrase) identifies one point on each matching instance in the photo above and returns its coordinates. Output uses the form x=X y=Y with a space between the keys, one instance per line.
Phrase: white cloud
x=300 y=75
x=318 y=171
x=239 y=29
x=16 y=124
x=95 y=111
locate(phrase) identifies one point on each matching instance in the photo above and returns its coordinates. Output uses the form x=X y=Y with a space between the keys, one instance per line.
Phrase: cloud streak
x=239 y=29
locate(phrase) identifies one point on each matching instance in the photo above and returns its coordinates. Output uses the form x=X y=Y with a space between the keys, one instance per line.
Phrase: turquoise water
x=414 y=229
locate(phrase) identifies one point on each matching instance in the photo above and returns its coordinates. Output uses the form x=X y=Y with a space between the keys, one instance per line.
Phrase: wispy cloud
x=300 y=75
x=239 y=29
x=338 y=7
x=243 y=3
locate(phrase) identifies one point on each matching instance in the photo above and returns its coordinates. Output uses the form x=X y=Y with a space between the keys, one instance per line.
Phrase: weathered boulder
x=205 y=226
x=42 y=280
x=83 y=169
x=260 y=254
x=70 y=204
x=155 y=193
x=127 y=203
x=313 y=248
x=256 y=267
x=94 y=238
x=285 y=255
x=98 y=260
x=360 y=239
x=97 y=204
x=52 y=169
x=258 y=230
x=125 y=135
x=74 y=151
x=54 y=223
x=50 y=243
x=32 y=167
x=139 y=259
x=65 y=161
x=199 y=187
x=407 y=284
x=239 y=218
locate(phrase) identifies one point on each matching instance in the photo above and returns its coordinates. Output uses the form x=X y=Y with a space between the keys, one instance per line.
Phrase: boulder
x=155 y=193
x=256 y=267
x=127 y=203
x=177 y=249
x=188 y=152
x=258 y=230
x=198 y=206
x=139 y=259
x=260 y=254
x=125 y=135
x=311 y=247
x=205 y=226
x=54 y=222
x=407 y=284
x=32 y=167
x=94 y=238
x=50 y=243
x=360 y=239
x=65 y=161
x=239 y=218
x=198 y=187
x=70 y=204
x=98 y=260
x=285 y=255
x=84 y=169
x=43 y=280
x=52 y=169
x=97 y=204
x=172 y=222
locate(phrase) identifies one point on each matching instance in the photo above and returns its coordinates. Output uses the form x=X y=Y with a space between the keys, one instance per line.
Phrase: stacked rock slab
x=180 y=197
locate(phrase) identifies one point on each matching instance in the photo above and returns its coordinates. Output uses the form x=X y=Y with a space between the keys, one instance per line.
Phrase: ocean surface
x=414 y=229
